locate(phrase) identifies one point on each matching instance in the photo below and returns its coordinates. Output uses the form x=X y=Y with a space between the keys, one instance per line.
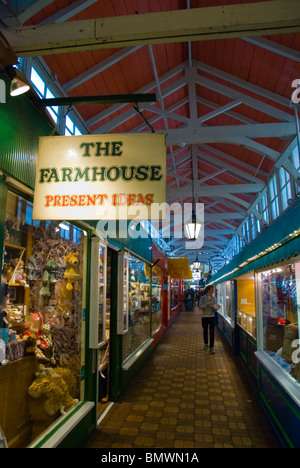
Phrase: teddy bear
x=31 y=346
x=71 y=274
x=57 y=386
x=8 y=271
x=30 y=343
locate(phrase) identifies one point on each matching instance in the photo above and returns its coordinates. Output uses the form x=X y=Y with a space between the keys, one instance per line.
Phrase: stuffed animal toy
x=52 y=268
x=19 y=274
x=55 y=385
x=33 y=341
x=32 y=269
x=49 y=277
x=8 y=271
x=71 y=273
x=69 y=378
x=30 y=343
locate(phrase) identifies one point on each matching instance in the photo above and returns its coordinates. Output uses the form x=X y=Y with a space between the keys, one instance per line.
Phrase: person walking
x=207 y=305
x=189 y=299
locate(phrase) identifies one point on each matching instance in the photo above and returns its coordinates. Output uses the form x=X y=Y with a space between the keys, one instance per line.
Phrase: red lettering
x=81 y=200
x=102 y=197
x=149 y=198
x=91 y=200
x=140 y=199
x=115 y=199
x=122 y=199
x=73 y=201
x=65 y=200
x=57 y=200
x=131 y=199
x=49 y=199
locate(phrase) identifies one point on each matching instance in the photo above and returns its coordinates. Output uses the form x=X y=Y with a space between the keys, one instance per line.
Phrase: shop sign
x=92 y=177
x=179 y=268
x=217 y=262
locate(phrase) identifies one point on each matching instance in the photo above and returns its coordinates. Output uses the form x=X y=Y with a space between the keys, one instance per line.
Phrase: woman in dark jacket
x=207 y=305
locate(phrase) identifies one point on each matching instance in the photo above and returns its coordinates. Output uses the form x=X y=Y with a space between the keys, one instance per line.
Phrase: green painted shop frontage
x=79 y=313
x=259 y=317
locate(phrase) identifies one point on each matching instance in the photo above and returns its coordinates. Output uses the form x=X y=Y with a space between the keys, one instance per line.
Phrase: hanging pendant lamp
x=193 y=226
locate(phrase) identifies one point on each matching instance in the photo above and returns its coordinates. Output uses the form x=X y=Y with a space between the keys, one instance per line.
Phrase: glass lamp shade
x=18 y=87
x=196 y=264
x=192 y=228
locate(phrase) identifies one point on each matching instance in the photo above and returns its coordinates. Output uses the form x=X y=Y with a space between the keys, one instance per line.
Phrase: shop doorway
x=104 y=374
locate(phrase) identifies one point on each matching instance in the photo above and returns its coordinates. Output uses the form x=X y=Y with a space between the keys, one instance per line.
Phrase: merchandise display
x=156 y=299
x=246 y=308
x=174 y=293
x=108 y=296
x=225 y=299
x=41 y=306
x=280 y=304
x=137 y=296
x=247 y=322
x=58 y=386
x=104 y=316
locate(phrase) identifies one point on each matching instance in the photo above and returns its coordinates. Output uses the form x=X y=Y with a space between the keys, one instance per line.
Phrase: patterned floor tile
x=187 y=398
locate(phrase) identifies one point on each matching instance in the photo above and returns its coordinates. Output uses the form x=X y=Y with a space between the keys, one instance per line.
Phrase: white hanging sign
x=91 y=177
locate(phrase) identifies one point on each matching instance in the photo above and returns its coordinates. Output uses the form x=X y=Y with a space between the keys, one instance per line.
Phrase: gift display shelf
x=15 y=378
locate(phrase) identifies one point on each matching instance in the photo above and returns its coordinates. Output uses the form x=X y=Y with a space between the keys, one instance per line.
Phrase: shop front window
x=104 y=298
x=41 y=322
x=156 y=299
x=174 y=293
x=279 y=292
x=137 y=296
x=246 y=311
x=225 y=298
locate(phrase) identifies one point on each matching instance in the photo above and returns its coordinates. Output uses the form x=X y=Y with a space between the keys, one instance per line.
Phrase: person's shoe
x=212 y=351
x=205 y=347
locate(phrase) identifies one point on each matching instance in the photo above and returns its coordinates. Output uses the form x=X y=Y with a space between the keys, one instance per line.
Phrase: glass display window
x=279 y=302
x=136 y=297
x=98 y=319
x=225 y=298
x=102 y=293
x=156 y=299
x=174 y=292
x=104 y=300
x=246 y=308
x=41 y=321
x=169 y=297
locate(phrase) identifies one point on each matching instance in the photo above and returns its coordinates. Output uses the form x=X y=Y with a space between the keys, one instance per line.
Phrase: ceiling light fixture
x=196 y=264
x=193 y=226
x=18 y=85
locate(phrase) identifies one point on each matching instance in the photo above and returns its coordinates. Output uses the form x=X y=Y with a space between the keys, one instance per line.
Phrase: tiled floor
x=187 y=398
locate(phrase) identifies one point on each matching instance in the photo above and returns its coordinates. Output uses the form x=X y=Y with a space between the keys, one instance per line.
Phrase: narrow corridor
x=187 y=398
